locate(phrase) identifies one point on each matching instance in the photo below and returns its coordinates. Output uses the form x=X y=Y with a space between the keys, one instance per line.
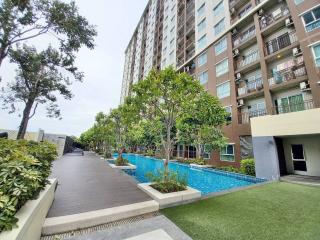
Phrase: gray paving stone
x=87 y=183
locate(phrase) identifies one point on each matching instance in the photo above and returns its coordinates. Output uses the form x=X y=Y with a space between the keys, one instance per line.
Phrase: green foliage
x=199 y=161
x=173 y=183
x=120 y=161
x=150 y=152
x=24 y=169
x=229 y=169
x=248 y=167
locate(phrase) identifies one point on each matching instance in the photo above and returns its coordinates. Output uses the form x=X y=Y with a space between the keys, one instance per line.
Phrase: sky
x=103 y=68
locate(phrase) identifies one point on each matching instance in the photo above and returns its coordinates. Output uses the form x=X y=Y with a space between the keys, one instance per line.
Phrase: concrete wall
x=266 y=158
x=311 y=151
x=31 y=136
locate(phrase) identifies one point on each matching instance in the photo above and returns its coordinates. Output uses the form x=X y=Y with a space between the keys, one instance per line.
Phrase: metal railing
x=293 y=107
x=248 y=59
x=244 y=36
x=280 y=42
x=287 y=75
x=245 y=117
x=251 y=86
x=270 y=18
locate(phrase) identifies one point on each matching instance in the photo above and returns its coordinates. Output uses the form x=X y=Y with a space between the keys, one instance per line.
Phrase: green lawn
x=273 y=211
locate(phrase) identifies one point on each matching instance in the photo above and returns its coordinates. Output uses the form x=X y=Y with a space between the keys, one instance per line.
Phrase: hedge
x=24 y=171
x=247 y=167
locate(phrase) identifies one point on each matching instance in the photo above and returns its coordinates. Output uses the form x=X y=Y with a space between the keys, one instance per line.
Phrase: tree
x=201 y=124
x=39 y=79
x=22 y=20
x=161 y=96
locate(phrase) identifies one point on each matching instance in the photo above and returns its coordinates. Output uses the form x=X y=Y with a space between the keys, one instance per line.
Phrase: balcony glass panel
x=244 y=36
x=248 y=59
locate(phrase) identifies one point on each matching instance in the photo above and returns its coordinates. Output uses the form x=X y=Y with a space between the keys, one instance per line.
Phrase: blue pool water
x=205 y=180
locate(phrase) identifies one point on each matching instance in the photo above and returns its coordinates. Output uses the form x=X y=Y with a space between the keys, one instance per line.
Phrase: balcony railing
x=244 y=36
x=270 y=18
x=287 y=74
x=293 y=107
x=248 y=59
x=245 y=117
x=313 y=25
x=280 y=42
x=251 y=87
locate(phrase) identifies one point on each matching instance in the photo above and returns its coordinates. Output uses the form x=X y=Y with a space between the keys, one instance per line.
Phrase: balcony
x=241 y=14
x=244 y=36
x=244 y=118
x=248 y=59
x=288 y=72
x=251 y=86
x=267 y=19
x=280 y=42
x=294 y=107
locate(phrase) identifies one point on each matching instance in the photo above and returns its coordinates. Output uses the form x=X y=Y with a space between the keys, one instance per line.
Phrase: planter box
x=129 y=166
x=170 y=199
x=32 y=216
x=199 y=166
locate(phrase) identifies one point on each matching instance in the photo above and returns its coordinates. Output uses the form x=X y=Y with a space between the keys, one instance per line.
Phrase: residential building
x=261 y=58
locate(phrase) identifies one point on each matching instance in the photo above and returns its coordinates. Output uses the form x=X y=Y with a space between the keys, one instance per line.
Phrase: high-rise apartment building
x=259 y=57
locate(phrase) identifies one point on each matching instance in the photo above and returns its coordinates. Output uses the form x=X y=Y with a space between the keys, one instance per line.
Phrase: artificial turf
x=273 y=211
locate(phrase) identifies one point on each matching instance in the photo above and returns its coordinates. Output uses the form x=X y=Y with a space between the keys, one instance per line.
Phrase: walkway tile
x=87 y=183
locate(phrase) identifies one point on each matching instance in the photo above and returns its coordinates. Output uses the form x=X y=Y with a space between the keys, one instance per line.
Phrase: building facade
x=259 y=57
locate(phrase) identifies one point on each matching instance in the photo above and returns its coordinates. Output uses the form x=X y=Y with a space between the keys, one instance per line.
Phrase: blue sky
x=116 y=21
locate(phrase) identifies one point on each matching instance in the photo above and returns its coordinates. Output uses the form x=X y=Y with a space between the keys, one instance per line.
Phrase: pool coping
x=170 y=199
x=127 y=167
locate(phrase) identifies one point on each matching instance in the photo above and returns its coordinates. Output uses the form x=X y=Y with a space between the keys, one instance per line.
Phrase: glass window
x=202 y=25
x=223 y=90
x=297 y=2
x=316 y=54
x=202 y=59
x=229 y=110
x=227 y=153
x=311 y=19
x=202 y=42
x=297 y=152
x=220 y=46
x=201 y=10
x=219 y=8
x=222 y=67
x=219 y=27
x=203 y=78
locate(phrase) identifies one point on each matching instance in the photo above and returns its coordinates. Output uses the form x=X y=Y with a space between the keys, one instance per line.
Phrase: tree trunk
x=25 y=119
x=168 y=153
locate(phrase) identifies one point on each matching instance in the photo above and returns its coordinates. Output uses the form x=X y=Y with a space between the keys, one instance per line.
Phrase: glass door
x=298 y=159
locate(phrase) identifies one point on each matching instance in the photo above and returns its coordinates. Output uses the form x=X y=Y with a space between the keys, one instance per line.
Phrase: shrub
x=120 y=161
x=150 y=152
x=199 y=161
x=247 y=167
x=172 y=183
x=24 y=170
x=229 y=169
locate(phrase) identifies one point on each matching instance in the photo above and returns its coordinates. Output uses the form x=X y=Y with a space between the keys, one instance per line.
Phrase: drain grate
x=100 y=227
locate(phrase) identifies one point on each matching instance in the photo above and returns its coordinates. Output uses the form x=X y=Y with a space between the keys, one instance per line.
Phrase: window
x=201 y=10
x=257 y=109
x=311 y=19
x=202 y=59
x=316 y=54
x=202 y=25
x=228 y=110
x=219 y=27
x=203 y=78
x=202 y=42
x=297 y=152
x=227 y=153
x=297 y=2
x=222 y=67
x=292 y=103
x=219 y=8
x=220 y=46
x=223 y=90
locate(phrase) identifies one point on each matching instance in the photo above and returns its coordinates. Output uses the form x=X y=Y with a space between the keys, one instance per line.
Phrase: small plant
x=198 y=161
x=173 y=182
x=120 y=161
x=150 y=152
x=248 y=167
x=228 y=169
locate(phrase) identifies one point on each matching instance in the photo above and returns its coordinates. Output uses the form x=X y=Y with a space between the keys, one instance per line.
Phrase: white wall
x=311 y=147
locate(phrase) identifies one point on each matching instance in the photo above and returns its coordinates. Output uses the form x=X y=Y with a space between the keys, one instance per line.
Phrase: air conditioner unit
x=238 y=76
x=240 y=102
x=296 y=51
x=234 y=31
x=236 y=52
x=232 y=11
x=304 y=86
x=260 y=12
x=289 y=22
x=187 y=69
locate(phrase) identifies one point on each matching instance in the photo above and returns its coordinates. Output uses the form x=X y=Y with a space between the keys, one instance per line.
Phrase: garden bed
x=173 y=198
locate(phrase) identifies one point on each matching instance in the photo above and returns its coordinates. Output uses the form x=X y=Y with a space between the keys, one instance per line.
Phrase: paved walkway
x=87 y=183
x=306 y=180
x=151 y=227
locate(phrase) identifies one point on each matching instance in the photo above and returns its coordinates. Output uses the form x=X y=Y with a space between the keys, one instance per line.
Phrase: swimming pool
x=205 y=180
